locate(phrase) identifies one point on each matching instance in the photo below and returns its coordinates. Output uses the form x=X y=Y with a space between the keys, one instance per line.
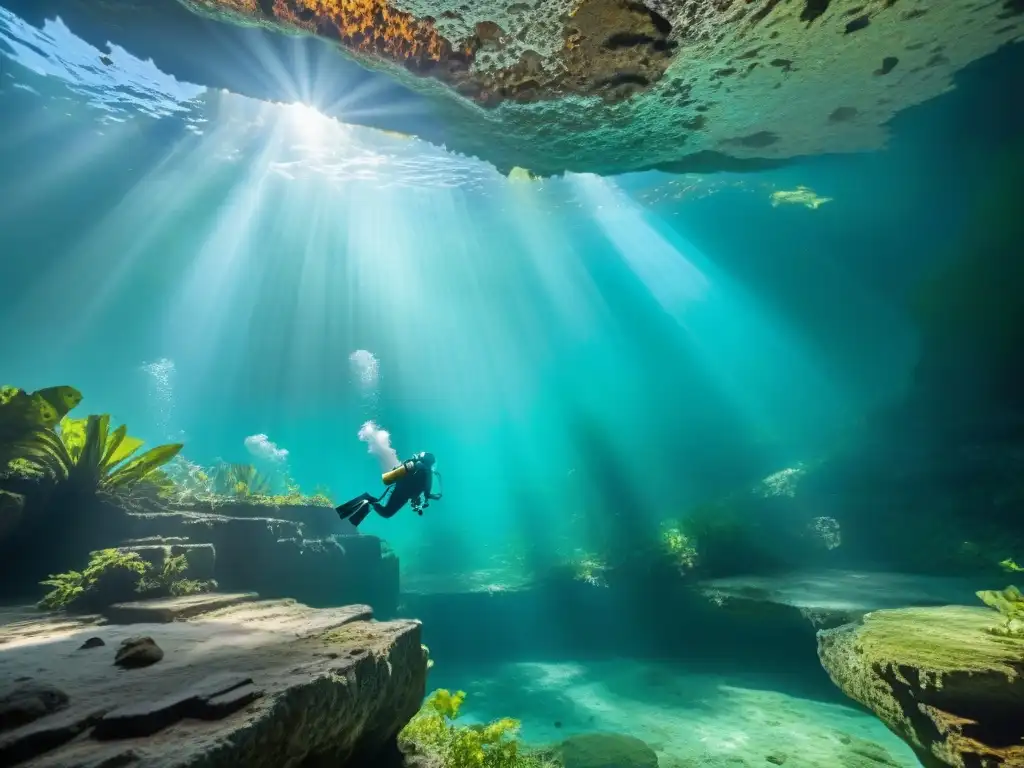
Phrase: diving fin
x=349 y=508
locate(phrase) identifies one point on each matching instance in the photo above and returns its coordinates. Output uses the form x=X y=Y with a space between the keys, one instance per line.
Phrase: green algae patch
x=358 y=633
x=938 y=677
x=940 y=641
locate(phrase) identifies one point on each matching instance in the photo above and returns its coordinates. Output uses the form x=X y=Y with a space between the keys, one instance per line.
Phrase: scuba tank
x=396 y=474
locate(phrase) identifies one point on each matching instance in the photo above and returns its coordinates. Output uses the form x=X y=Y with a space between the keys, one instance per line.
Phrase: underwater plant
x=85 y=456
x=75 y=588
x=782 y=483
x=244 y=481
x=169 y=581
x=495 y=745
x=24 y=416
x=590 y=569
x=802 y=195
x=240 y=481
x=1010 y=604
x=678 y=546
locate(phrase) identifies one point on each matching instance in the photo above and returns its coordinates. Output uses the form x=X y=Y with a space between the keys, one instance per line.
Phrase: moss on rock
x=938 y=678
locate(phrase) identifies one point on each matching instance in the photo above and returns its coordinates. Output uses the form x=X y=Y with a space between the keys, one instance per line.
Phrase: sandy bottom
x=690 y=717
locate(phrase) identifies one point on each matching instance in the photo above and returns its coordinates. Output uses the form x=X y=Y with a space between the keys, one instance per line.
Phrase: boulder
x=28 y=701
x=268 y=683
x=606 y=750
x=137 y=652
x=939 y=678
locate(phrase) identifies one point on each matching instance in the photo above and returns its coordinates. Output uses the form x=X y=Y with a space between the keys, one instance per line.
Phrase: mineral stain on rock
x=369 y=26
x=611 y=48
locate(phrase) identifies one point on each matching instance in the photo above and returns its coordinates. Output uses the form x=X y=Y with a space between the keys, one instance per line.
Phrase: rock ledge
x=265 y=683
x=938 y=678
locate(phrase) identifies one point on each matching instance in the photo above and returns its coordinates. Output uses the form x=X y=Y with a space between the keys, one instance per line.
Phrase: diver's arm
x=428 y=484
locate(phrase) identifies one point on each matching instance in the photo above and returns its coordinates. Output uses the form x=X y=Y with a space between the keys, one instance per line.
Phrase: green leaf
x=138 y=468
x=60 y=399
x=42 y=412
x=127 y=446
x=73 y=435
x=96 y=434
x=45 y=450
x=7 y=393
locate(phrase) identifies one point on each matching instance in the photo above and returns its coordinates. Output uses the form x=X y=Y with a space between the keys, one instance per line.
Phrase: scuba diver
x=411 y=481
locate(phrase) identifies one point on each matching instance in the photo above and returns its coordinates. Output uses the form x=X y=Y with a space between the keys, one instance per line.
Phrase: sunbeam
x=750 y=354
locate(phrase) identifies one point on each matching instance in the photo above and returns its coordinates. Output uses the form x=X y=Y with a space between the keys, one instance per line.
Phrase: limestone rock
x=28 y=701
x=173 y=608
x=12 y=507
x=201 y=558
x=830 y=598
x=212 y=699
x=136 y=652
x=937 y=677
x=275 y=558
x=607 y=86
x=270 y=683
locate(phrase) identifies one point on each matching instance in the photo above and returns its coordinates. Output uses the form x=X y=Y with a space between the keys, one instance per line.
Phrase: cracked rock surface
x=257 y=683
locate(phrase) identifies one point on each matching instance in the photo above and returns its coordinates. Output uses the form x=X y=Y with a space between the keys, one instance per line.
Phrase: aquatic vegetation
x=783 y=482
x=37 y=437
x=244 y=481
x=802 y=195
x=191 y=483
x=495 y=745
x=25 y=416
x=678 y=546
x=828 y=530
x=1010 y=604
x=85 y=456
x=169 y=579
x=241 y=481
x=589 y=569
x=72 y=589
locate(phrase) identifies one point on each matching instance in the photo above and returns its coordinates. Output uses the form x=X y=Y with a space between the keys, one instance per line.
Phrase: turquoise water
x=587 y=357
x=202 y=266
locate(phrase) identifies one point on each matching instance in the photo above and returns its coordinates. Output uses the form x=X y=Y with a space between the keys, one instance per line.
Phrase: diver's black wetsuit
x=415 y=487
